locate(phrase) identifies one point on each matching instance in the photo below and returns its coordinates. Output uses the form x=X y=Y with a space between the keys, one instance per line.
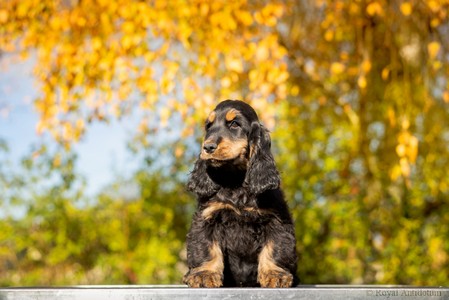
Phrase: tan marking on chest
x=217 y=206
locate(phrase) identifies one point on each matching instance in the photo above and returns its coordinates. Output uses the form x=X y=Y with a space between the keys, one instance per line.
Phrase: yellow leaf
x=329 y=35
x=412 y=149
x=354 y=8
x=127 y=42
x=226 y=82
x=57 y=161
x=433 y=48
x=436 y=65
x=395 y=172
x=179 y=151
x=405 y=167
x=406 y=8
x=337 y=68
x=400 y=150
x=344 y=56
x=164 y=116
x=435 y=22
x=253 y=75
x=391 y=117
x=322 y=100
x=366 y=66
x=204 y=9
x=374 y=8
x=96 y=43
x=434 y=5
x=405 y=125
x=3 y=15
x=446 y=96
x=258 y=16
x=40 y=127
x=244 y=17
x=437 y=252
x=80 y=124
x=116 y=110
x=234 y=64
x=67 y=131
x=362 y=83
x=23 y=8
x=262 y=53
x=385 y=73
x=128 y=27
x=281 y=91
x=81 y=21
x=294 y=90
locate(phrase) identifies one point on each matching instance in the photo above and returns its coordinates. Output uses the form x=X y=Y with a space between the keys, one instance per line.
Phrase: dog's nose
x=210 y=147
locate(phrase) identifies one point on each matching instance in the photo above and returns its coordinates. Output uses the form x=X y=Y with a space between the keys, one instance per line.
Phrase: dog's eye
x=234 y=125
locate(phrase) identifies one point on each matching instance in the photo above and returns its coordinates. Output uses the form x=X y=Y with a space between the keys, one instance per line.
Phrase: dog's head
x=227 y=134
x=235 y=140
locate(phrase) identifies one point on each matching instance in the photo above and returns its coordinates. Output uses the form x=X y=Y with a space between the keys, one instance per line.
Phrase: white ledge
x=173 y=292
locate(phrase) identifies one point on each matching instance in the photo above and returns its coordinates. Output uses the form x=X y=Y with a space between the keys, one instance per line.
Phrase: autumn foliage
x=355 y=92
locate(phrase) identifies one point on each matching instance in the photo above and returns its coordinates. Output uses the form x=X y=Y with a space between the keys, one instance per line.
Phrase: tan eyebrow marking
x=211 y=117
x=231 y=114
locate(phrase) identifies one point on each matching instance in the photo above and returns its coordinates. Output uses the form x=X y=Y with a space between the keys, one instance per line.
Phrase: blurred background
x=102 y=104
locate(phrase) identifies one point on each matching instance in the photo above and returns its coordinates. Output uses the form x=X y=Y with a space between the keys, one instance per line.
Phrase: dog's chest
x=241 y=231
x=242 y=235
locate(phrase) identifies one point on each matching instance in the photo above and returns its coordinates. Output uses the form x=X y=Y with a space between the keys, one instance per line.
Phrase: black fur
x=242 y=233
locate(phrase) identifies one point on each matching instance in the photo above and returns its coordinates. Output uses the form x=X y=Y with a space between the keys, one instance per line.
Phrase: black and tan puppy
x=242 y=233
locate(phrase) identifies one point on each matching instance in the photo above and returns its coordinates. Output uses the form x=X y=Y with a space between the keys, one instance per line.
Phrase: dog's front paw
x=275 y=279
x=205 y=279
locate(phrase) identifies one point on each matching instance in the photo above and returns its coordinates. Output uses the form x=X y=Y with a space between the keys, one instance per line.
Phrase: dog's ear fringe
x=262 y=174
x=199 y=182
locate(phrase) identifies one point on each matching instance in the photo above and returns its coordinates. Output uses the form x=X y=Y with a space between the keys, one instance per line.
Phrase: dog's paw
x=275 y=279
x=204 y=279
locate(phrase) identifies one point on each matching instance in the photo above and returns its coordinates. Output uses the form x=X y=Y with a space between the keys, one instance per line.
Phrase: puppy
x=242 y=234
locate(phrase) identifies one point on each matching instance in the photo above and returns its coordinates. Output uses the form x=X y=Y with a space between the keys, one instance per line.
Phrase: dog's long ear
x=199 y=182
x=262 y=174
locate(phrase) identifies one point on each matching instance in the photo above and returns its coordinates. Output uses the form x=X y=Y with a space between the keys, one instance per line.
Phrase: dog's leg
x=209 y=273
x=270 y=274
